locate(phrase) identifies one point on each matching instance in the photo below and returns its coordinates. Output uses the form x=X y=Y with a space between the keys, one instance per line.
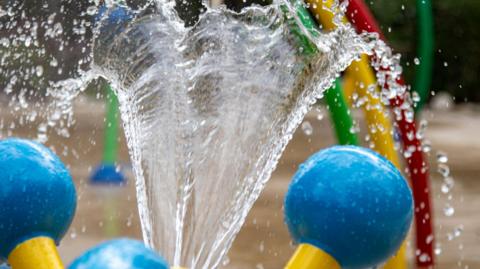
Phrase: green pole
x=111 y=128
x=110 y=149
x=423 y=76
x=334 y=96
x=111 y=221
x=340 y=115
x=106 y=177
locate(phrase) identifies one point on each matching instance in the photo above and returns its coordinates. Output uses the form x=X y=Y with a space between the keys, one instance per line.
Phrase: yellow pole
x=379 y=126
x=349 y=87
x=309 y=257
x=35 y=253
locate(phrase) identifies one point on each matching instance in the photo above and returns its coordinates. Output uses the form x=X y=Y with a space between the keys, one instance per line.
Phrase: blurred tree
x=48 y=36
x=189 y=11
x=457 y=53
x=237 y=5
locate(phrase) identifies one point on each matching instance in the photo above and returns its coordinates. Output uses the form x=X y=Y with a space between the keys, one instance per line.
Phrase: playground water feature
x=207 y=111
x=230 y=93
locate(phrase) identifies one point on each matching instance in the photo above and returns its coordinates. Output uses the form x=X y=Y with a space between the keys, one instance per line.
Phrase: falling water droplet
x=226 y=261
x=129 y=220
x=458 y=230
x=415 y=97
x=442 y=157
x=443 y=170
x=450 y=236
x=54 y=62
x=320 y=113
x=448 y=210
x=261 y=247
x=307 y=128
x=424 y=257
x=429 y=239
x=92 y=10
x=445 y=188
x=39 y=70
x=73 y=234
x=426 y=146
x=447 y=184
x=409 y=115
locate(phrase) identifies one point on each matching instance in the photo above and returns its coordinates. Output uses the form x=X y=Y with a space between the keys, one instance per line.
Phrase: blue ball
x=120 y=254
x=37 y=194
x=352 y=203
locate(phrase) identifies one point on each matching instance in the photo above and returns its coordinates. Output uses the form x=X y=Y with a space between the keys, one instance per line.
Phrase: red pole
x=359 y=15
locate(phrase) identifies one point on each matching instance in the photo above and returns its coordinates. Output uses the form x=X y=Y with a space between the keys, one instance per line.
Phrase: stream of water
x=207 y=111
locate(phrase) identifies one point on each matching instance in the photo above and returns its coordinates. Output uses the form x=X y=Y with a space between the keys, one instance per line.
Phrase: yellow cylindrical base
x=398 y=261
x=309 y=257
x=36 y=253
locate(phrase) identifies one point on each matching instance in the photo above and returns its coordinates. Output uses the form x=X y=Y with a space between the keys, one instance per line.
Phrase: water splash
x=207 y=112
x=40 y=51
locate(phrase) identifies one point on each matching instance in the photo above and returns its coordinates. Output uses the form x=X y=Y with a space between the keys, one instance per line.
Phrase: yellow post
x=349 y=87
x=309 y=257
x=379 y=126
x=35 y=253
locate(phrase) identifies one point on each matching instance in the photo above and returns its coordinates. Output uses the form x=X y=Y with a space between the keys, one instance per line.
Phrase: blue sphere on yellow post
x=352 y=204
x=121 y=253
x=37 y=204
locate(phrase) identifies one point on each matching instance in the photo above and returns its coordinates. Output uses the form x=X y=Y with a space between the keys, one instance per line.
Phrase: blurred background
x=456 y=33
x=53 y=42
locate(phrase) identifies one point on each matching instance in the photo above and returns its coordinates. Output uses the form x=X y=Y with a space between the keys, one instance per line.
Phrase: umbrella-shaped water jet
x=208 y=110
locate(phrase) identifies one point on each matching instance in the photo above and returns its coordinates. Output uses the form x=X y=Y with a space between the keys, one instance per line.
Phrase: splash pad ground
x=264 y=241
